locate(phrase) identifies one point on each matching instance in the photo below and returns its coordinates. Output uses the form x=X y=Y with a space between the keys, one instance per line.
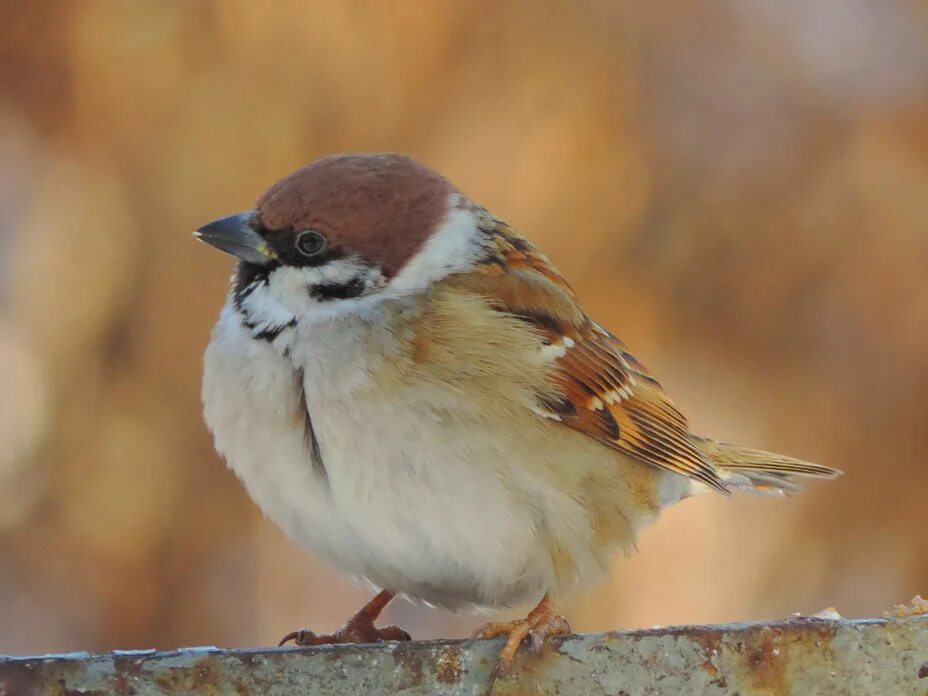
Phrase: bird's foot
x=359 y=628
x=540 y=623
x=351 y=632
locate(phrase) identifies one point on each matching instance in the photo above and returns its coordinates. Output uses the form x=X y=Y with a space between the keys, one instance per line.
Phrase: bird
x=413 y=392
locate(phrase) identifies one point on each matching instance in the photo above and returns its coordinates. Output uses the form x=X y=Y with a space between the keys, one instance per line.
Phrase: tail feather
x=758 y=471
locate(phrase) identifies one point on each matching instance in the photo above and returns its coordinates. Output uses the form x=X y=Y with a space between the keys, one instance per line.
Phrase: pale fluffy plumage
x=442 y=483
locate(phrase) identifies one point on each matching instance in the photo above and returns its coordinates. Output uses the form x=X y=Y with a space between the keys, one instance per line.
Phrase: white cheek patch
x=454 y=247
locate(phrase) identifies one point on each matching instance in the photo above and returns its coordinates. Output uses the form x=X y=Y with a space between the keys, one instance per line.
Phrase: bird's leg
x=540 y=623
x=358 y=629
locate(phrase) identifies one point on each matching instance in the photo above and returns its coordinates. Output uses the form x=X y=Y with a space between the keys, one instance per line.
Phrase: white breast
x=410 y=500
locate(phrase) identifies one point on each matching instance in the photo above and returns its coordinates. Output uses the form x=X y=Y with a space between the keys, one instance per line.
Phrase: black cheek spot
x=337 y=291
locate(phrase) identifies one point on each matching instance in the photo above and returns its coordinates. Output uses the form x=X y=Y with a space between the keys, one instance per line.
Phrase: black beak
x=234 y=235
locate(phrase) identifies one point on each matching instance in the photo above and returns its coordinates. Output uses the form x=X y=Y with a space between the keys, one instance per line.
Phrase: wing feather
x=600 y=388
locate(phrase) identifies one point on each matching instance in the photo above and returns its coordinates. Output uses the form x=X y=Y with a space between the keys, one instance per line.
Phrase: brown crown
x=382 y=207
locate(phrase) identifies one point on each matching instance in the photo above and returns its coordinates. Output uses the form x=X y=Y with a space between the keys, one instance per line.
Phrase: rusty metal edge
x=883 y=657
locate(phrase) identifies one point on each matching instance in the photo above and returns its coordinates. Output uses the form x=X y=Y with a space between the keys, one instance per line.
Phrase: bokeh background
x=737 y=188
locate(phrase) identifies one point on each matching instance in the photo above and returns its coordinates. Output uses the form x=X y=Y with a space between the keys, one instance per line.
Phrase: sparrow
x=412 y=391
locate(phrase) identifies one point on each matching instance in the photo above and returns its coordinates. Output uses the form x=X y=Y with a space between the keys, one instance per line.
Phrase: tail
x=757 y=471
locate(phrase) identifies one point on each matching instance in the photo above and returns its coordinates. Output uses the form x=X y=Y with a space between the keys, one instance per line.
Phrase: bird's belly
x=402 y=503
x=422 y=509
x=419 y=492
x=404 y=510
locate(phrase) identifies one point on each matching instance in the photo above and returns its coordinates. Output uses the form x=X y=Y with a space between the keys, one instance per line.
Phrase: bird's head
x=343 y=232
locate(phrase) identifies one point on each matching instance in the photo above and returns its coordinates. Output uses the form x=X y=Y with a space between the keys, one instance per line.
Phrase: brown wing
x=601 y=389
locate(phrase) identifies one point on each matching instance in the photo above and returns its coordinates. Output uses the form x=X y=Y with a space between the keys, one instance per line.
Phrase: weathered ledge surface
x=804 y=656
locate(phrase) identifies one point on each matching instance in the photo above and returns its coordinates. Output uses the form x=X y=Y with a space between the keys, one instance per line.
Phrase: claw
x=540 y=623
x=296 y=636
x=358 y=629
x=492 y=630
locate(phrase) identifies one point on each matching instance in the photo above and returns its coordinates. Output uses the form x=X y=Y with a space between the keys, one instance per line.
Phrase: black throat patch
x=248 y=278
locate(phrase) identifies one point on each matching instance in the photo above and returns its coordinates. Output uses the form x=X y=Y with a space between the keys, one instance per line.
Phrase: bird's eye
x=310 y=242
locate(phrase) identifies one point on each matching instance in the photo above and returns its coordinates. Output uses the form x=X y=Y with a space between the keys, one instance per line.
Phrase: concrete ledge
x=878 y=657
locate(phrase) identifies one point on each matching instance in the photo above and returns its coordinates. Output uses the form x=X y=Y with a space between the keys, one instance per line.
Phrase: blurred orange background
x=739 y=190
